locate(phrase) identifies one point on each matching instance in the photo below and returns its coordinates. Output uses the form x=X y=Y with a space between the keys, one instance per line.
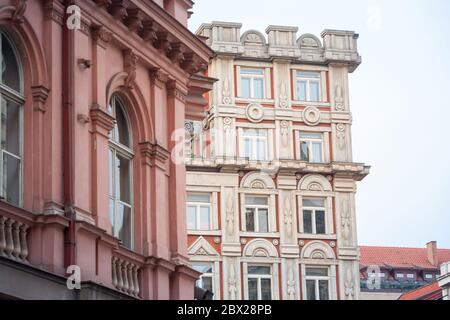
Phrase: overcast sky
x=400 y=100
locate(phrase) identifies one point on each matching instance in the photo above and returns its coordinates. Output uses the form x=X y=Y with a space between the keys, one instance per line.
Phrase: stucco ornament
x=339 y=100
x=283 y=95
x=288 y=217
x=345 y=221
x=232 y=283
x=230 y=214
x=349 y=285
x=255 y=113
x=227 y=123
x=311 y=116
x=341 y=135
x=284 y=131
x=226 y=94
x=290 y=284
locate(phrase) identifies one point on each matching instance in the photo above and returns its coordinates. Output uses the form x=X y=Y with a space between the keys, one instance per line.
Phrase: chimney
x=432 y=253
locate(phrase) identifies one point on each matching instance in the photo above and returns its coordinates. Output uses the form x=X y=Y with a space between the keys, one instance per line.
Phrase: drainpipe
x=68 y=133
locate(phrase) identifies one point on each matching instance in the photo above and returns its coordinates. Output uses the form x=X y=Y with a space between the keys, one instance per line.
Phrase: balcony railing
x=13 y=239
x=125 y=276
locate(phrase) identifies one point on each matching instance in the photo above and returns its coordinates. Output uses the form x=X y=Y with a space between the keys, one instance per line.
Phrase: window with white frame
x=199 y=212
x=314 y=216
x=257 y=214
x=252 y=83
x=428 y=276
x=11 y=99
x=255 y=144
x=194 y=139
x=206 y=279
x=308 y=86
x=317 y=283
x=120 y=177
x=400 y=275
x=410 y=276
x=259 y=282
x=311 y=147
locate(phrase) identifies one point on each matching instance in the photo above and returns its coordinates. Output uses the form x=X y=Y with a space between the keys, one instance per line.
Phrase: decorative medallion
x=275 y=242
x=311 y=116
x=255 y=113
x=217 y=240
x=301 y=243
x=244 y=241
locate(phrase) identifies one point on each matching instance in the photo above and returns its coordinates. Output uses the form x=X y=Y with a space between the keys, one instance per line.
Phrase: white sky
x=399 y=99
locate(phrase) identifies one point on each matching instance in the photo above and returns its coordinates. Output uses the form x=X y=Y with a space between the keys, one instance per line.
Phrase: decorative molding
x=148 y=33
x=158 y=78
x=255 y=113
x=284 y=101
x=340 y=127
x=288 y=219
x=134 y=20
x=232 y=283
x=101 y=35
x=284 y=132
x=101 y=118
x=54 y=10
x=290 y=282
x=229 y=213
x=174 y=91
x=338 y=99
x=311 y=116
x=349 y=286
x=226 y=93
x=13 y=13
x=345 y=221
x=154 y=154
x=130 y=65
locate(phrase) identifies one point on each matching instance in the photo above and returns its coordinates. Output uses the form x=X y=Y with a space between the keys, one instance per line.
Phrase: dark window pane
x=9 y=66
x=323 y=290
x=11 y=179
x=320 y=272
x=123 y=225
x=320 y=222
x=310 y=290
x=122 y=132
x=207 y=283
x=123 y=179
x=259 y=270
x=252 y=289
x=266 y=289
x=10 y=127
x=307 y=221
x=304 y=151
x=250 y=220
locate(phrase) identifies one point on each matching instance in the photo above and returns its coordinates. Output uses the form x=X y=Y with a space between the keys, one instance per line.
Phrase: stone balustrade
x=125 y=276
x=13 y=239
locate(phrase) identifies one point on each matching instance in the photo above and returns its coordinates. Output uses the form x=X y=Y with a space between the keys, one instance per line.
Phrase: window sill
x=255 y=100
x=259 y=235
x=296 y=103
x=317 y=236
x=204 y=233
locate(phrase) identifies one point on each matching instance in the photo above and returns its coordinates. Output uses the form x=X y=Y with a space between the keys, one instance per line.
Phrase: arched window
x=120 y=183
x=11 y=101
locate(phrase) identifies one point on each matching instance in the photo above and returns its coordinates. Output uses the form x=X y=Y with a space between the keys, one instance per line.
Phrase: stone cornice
x=13 y=12
x=101 y=35
x=153 y=24
x=154 y=154
x=40 y=95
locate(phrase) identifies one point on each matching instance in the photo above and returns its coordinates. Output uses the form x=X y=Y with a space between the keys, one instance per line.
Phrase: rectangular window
x=259 y=282
x=317 y=284
x=255 y=142
x=257 y=214
x=428 y=276
x=314 y=216
x=252 y=83
x=399 y=275
x=311 y=147
x=199 y=212
x=410 y=276
x=308 y=86
x=206 y=279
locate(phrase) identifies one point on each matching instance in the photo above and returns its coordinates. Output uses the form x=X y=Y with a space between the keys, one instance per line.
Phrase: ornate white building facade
x=271 y=181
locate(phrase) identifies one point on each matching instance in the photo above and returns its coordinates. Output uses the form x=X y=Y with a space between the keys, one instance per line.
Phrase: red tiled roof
x=428 y=292
x=406 y=258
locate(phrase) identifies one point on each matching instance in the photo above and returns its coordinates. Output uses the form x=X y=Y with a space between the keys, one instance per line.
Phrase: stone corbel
x=134 y=20
x=118 y=9
x=175 y=91
x=103 y=3
x=158 y=78
x=154 y=155
x=176 y=54
x=54 y=10
x=101 y=35
x=162 y=43
x=13 y=13
x=148 y=33
x=40 y=95
x=102 y=121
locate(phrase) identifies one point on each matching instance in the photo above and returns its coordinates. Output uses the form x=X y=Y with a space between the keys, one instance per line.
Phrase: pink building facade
x=89 y=109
